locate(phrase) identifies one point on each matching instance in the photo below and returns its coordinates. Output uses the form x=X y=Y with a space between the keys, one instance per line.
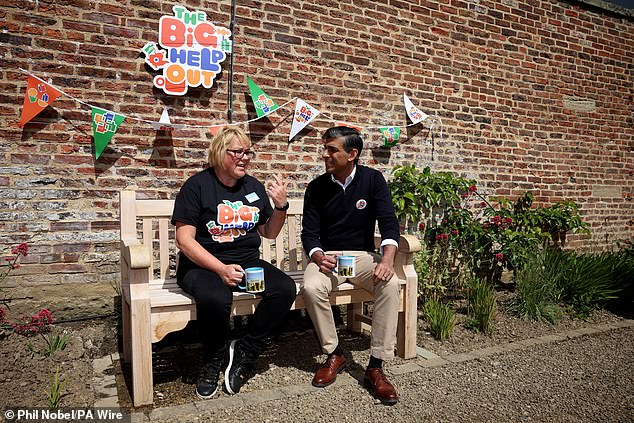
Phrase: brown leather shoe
x=327 y=372
x=380 y=387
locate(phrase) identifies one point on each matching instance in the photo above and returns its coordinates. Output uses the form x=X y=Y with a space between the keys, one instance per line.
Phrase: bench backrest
x=149 y=220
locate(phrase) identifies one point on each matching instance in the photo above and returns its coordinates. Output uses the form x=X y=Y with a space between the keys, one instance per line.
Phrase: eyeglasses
x=238 y=154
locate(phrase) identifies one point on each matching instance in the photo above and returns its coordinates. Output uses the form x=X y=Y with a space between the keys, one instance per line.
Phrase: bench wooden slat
x=148 y=242
x=164 y=259
x=152 y=308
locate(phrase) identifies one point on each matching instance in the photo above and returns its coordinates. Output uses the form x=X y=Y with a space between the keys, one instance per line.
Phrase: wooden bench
x=153 y=305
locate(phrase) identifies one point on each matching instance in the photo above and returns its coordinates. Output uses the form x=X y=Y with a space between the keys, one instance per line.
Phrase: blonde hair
x=221 y=141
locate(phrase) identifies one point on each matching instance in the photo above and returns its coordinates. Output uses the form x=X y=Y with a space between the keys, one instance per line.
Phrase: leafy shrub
x=441 y=318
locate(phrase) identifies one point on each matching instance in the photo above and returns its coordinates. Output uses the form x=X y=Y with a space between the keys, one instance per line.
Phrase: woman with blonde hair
x=220 y=214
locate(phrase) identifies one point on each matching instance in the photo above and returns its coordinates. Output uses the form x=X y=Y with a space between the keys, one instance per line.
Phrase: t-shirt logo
x=234 y=220
x=361 y=204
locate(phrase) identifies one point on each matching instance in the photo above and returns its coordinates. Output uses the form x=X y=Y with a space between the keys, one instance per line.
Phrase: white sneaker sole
x=208 y=396
x=232 y=350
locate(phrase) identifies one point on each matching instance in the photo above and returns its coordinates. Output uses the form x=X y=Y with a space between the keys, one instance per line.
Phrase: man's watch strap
x=283 y=208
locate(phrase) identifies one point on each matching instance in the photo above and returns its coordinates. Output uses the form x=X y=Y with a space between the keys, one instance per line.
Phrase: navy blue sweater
x=335 y=219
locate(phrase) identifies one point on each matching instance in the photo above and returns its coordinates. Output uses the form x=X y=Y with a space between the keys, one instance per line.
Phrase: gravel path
x=585 y=375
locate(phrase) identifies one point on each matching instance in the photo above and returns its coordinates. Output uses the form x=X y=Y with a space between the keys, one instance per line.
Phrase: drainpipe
x=232 y=29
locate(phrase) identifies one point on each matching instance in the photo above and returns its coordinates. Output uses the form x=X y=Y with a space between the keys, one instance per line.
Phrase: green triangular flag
x=104 y=126
x=391 y=134
x=263 y=103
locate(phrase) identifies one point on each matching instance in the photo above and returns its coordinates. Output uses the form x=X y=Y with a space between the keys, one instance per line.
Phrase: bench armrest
x=407 y=244
x=135 y=254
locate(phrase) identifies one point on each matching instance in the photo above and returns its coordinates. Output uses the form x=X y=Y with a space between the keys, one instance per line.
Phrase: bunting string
x=40 y=94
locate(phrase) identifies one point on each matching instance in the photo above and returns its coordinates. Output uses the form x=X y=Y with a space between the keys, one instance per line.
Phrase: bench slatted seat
x=154 y=306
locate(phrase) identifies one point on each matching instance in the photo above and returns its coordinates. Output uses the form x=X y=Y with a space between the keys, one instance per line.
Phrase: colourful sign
x=193 y=51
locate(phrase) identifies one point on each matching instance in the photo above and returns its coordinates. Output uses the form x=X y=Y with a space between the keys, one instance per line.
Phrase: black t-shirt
x=226 y=218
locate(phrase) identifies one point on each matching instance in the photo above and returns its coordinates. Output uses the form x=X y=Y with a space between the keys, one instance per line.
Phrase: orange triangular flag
x=37 y=97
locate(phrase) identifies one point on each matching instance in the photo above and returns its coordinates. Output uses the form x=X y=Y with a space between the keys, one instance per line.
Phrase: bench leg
x=142 y=382
x=407 y=323
x=353 y=323
x=125 y=324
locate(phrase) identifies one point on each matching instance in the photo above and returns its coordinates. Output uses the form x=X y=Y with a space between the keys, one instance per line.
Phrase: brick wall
x=534 y=95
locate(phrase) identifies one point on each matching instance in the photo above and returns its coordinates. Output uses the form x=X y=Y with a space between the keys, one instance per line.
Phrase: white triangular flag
x=414 y=114
x=164 y=124
x=304 y=114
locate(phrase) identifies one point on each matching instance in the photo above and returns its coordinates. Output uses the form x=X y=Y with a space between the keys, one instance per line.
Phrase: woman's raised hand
x=277 y=191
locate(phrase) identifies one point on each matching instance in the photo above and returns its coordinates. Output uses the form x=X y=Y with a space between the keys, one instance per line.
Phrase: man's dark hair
x=351 y=138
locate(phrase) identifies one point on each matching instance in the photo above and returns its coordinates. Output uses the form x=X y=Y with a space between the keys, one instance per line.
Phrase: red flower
x=21 y=249
x=499 y=256
x=483 y=204
x=454 y=232
x=38 y=323
x=473 y=188
x=421 y=226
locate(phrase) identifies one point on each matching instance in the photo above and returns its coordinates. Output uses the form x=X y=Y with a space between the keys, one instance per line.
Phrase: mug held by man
x=346 y=266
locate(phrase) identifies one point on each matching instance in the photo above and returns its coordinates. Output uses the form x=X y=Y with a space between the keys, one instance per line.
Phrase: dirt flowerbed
x=290 y=360
x=26 y=371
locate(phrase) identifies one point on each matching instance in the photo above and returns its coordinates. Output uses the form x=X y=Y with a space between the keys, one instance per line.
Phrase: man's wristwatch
x=283 y=208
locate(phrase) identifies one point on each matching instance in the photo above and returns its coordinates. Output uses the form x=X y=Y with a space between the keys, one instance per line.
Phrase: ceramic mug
x=346 y=267
x=253 y=281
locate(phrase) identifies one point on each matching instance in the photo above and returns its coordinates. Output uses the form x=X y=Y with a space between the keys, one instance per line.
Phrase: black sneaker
x=207 y=382
x=240 y=365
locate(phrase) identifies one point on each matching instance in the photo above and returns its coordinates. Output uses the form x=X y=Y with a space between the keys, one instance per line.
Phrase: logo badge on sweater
x=361 y=204
x=252 y=197
x=234 y=220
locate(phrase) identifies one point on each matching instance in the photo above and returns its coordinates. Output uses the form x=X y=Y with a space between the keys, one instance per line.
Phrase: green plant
x=536 y=290
x=54 y=343
x=587 y=281
x=421 y=198
x=441 y=318
x=559 y=219
x=54 y=394
x=481 y=304
x=433 y=273
x=404 y=190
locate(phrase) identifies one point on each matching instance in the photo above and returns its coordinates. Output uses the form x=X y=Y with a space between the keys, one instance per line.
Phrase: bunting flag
x=164 y=124
x=263 y=103
x=414 y=114
x=349 y=125
x=104 y=125
x=304 y=114
x=391 y=134
x=37 y=97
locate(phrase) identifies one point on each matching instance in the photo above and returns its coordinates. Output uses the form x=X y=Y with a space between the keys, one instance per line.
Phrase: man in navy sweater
x=341 y=209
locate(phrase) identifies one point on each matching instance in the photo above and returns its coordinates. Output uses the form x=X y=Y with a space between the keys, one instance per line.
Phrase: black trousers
x=214 y=299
